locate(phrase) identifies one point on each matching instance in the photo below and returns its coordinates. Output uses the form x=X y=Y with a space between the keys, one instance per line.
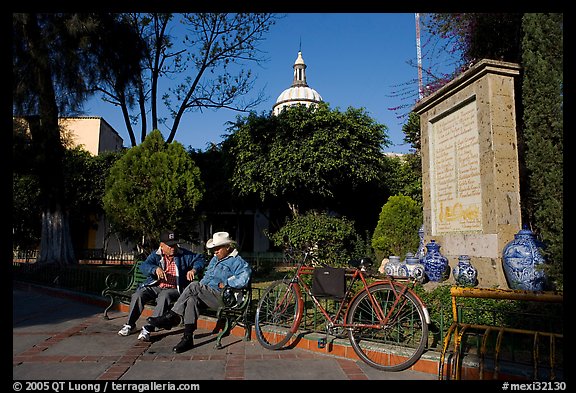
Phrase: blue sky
x=353 y=59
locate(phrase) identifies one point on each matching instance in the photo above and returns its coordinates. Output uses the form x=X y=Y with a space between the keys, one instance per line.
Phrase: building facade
x=93 y=133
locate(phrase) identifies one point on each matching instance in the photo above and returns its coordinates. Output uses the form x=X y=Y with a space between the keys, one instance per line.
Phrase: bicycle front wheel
x=401 y=342
x=276 y=315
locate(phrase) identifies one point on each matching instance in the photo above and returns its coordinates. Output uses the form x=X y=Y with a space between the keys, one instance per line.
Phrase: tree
x=397 y=229
x=52 y=66
x=207 y=67
x=303 y=155
x=152 y=187
x=34 y=92
x=542 y=98
x=118 y=73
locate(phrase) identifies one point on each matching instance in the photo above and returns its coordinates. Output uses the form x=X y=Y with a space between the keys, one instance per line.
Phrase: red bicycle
x=385 y=321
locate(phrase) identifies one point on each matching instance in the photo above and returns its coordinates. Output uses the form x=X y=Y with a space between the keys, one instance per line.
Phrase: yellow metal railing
x=459 y=329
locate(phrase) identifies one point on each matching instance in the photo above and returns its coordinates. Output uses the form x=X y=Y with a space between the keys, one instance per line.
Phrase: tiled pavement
x=57 y=336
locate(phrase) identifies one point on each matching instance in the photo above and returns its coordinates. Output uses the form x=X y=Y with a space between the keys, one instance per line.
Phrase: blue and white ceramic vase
x=436 y=265
x=421 y=249
x=414 y=267
x=395 y=268
x=464 y=273
x=523 y=262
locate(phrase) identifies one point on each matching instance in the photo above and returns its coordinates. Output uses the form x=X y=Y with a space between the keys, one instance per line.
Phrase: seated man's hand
x=190 y=274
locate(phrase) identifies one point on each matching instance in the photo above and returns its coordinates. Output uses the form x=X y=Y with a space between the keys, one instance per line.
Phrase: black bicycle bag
x=329 y=282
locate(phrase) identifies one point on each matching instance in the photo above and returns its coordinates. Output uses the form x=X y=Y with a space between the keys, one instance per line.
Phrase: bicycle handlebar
x=307 y=253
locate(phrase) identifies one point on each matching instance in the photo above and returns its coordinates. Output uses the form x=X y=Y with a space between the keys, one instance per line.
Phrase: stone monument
x=470 y=173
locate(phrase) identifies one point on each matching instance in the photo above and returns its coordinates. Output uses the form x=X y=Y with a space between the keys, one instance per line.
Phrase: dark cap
x=169 y=238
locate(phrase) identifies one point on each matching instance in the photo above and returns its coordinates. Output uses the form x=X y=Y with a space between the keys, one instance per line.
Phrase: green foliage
x=517 y=314
x=412 y=177
x=335 y=237
x=26 y=214
x=304 y=154
x=84 y=177
x=397 y=230
x=403 y=175
x=439 y=304
x=477 y=36
x=411 y=130
x=543 y=134
x=153 y=186
x=363 y=247
x=409 y=178
x=215 y=173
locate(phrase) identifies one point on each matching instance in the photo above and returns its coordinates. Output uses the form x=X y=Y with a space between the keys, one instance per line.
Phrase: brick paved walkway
x=57 y=337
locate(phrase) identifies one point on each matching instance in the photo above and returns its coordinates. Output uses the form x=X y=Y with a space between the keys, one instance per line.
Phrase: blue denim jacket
x=232 y=270
x=185 y=260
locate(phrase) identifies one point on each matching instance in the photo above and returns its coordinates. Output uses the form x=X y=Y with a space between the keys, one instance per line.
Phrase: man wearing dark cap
x=169 y=270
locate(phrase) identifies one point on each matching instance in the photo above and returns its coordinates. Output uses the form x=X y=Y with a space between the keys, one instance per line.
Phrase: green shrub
x=335 y=237
x=397 y=230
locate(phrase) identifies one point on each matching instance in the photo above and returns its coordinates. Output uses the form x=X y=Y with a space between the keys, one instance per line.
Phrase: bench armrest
x=121 y=281
x=118 y=281
x=236 y=297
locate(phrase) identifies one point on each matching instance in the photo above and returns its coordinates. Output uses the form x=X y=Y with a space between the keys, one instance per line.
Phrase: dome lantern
x=299 y=92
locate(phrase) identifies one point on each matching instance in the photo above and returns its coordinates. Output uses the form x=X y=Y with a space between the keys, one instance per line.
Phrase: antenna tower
x=419 y=55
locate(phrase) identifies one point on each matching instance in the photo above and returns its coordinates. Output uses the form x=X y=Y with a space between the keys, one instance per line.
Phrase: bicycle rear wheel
x=276 y=315
x=401 y=342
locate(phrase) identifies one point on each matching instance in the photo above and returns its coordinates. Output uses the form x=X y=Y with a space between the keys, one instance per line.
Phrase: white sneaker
x=144 y=335
x=126 y=330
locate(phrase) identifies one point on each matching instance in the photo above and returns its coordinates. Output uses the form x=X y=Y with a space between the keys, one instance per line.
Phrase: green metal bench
x=121 y=286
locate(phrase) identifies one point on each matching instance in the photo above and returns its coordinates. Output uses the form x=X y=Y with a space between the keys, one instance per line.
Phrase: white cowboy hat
x=219 y=239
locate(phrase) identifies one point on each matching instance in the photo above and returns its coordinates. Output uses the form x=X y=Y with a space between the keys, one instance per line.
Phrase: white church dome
x=299 y=92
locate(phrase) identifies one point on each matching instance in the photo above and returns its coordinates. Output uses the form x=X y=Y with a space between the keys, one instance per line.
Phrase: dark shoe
x=166 y=321
x=185 y=344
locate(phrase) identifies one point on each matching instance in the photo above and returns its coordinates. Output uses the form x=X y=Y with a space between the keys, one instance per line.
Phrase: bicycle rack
x=458 y=329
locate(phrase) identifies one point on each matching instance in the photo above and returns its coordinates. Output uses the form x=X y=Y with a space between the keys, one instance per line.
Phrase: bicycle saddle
x=363 y=262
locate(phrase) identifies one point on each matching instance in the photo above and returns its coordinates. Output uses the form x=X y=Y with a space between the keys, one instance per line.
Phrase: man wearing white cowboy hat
x=226 y=268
